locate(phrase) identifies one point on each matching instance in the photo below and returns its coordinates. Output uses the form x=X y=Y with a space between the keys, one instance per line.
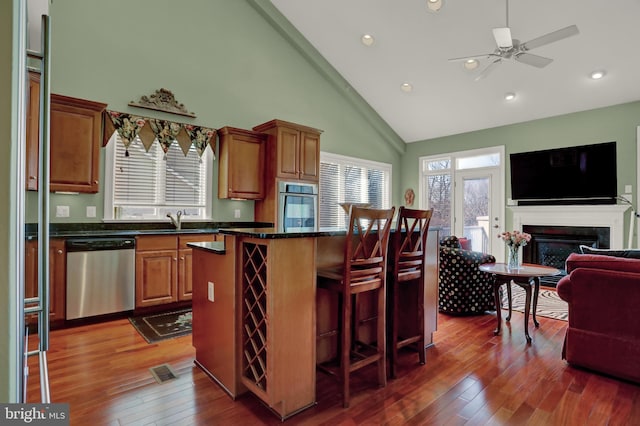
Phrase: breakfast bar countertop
x=274 y=233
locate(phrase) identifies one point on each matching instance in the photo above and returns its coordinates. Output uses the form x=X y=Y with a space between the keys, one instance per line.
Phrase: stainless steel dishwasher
x=100 y=276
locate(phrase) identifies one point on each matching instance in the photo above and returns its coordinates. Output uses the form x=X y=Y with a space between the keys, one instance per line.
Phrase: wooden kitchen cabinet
x=33 y=132
x=293 y=150
x=57 y=276
x=76 y=129
x=241 y=164
x=293 y=154
x=156 y=270
x=163 y=268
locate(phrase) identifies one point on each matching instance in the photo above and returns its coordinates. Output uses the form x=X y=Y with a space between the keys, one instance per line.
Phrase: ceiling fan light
x=597 y=75
x=471 y=64
x=434 y=5
x=367 y=40
x=509 y=96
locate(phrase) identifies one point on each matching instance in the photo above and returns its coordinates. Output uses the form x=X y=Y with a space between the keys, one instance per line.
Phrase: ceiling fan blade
x=550 y=37
x=503 y=37
x=535 y=60
x=488 y=69
x=466 y=58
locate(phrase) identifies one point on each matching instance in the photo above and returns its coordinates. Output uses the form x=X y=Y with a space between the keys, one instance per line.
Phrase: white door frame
x=497 y=195
x=496 y=207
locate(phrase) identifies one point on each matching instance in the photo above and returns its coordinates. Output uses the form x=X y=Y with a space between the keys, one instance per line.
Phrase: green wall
x=616 y=123
x=220 y=58
x=8 y=133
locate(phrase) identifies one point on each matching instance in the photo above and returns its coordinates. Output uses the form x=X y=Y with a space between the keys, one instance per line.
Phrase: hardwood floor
x=471 y=377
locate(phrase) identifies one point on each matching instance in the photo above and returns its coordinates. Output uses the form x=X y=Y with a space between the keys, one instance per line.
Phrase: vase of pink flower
x=514 y=240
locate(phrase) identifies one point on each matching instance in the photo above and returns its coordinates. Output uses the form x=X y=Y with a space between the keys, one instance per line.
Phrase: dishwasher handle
x=97 y=244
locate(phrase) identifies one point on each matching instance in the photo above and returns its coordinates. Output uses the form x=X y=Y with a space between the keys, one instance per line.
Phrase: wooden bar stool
x=364 y=270
x=409 y=251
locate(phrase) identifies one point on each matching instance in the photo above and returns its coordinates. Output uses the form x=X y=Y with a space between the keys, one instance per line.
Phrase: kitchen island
x=255 y=315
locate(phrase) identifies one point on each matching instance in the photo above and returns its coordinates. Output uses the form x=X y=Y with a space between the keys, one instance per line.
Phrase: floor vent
x=163 y=373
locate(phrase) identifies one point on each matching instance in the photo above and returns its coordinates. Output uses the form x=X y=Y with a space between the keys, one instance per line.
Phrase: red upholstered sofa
x=603 y=293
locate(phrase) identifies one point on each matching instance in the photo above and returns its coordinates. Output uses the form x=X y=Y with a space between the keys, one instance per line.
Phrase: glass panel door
x=477 y=211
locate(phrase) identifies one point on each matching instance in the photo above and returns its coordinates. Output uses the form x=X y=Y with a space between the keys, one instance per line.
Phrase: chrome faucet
x=177 y=220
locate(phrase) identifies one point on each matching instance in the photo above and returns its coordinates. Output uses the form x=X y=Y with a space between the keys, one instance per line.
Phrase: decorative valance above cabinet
x=149 y=130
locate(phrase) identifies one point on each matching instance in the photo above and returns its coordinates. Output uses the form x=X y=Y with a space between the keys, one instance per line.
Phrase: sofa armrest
x=602 y=262
x=602 y=301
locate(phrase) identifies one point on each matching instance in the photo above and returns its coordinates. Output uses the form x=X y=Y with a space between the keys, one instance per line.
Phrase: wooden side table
x=526 y=276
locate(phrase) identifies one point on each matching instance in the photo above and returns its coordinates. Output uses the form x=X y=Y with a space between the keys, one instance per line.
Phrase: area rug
x=549 y=303
x=166 y=325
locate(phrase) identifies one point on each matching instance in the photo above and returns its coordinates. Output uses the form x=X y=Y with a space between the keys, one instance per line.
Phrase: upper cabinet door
x=310 y=156
x=76 y=128
x=288 y=147
x=241 y=164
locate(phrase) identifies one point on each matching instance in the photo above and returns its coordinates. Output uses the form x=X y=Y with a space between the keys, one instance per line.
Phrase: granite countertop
x=132 y=232
x=216 y=247
x=273 y=233
x=131 y=229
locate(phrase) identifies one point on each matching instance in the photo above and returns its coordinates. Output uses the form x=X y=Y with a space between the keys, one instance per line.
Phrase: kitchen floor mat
x=167 y=325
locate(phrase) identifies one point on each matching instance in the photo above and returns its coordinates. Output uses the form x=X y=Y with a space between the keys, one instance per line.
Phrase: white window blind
x=351 y=180
x=146 y=185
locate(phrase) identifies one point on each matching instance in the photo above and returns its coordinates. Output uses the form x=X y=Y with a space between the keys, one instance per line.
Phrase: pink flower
x=515 y=238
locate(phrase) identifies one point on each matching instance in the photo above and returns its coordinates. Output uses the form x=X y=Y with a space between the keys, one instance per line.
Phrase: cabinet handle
x=175 y=259
x=95 y=182
x=181 y=257
x=59 y=251
x=32 y=177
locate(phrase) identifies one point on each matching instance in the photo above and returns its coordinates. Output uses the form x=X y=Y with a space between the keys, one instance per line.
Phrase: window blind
x=148 y=184
x=351 y=180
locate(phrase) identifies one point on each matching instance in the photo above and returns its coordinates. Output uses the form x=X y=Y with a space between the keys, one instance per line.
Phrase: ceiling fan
x=510 y=48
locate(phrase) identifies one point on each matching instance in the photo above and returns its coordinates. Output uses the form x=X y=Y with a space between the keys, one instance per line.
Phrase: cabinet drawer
x=184 y=239
x=157 y=242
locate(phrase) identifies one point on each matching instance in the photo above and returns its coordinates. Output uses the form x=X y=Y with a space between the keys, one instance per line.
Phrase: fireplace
x=551 y=245
x=558 y=231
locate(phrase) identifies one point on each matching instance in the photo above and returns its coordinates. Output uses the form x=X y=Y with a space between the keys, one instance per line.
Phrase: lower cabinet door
x=156 y=277
x=185 y=271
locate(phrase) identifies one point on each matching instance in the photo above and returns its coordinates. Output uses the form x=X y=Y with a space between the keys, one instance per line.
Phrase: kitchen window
x=147 y=185
x=351 y=180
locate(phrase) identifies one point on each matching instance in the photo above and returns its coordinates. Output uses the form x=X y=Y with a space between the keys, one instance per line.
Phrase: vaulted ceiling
x=413 y=45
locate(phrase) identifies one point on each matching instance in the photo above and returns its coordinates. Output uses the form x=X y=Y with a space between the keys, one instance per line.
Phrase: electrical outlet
x=628 y=189
x=236 y=213
x=91 y=211
x=210 y=294
x=62 y=211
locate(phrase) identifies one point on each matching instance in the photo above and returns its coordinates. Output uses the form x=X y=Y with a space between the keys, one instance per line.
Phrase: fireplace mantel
x=609 y=215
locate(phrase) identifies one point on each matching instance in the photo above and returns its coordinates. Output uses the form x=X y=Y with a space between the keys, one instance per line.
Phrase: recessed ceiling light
x=406 y=87
x=509 y=96
x=434 y=5
x=596 y=75
x=471 y=64
x=367 y=40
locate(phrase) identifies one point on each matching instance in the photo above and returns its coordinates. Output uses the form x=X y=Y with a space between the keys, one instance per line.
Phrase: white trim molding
x=607 y=216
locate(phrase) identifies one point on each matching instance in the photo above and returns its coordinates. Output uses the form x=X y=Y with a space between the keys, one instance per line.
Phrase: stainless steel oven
x=298 y=206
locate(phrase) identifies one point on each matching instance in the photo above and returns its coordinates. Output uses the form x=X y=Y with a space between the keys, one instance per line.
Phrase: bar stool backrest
x=366 y=248
x=410 y=240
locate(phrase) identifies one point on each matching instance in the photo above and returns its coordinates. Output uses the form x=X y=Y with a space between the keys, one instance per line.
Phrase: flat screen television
x=584 y=174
